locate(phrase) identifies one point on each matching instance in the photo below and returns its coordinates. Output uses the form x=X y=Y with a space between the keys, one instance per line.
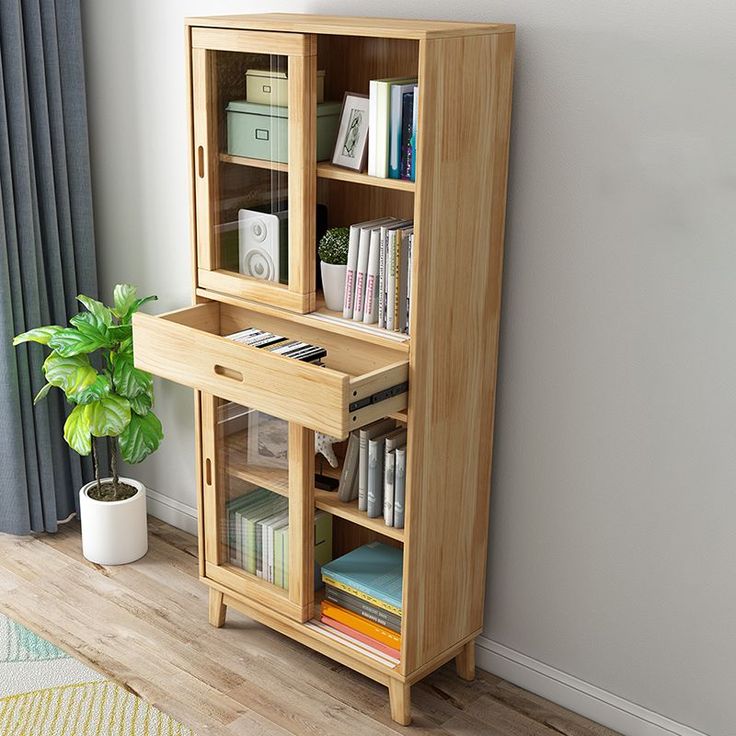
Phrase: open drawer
x=357 y=384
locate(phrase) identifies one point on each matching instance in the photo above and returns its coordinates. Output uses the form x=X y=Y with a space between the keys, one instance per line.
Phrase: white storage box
x=272 y=88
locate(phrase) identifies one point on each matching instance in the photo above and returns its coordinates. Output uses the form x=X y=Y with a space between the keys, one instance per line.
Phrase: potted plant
x=113 y=402
x=333 y=256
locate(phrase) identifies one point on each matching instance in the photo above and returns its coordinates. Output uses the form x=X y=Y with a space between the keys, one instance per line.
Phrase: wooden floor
x=145 y=625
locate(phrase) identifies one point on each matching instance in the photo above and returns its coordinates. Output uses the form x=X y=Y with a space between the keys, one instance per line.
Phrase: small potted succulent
x=111 y=398
x=333 y=256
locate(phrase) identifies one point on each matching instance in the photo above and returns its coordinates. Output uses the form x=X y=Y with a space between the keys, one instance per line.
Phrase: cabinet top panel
x=351 y=26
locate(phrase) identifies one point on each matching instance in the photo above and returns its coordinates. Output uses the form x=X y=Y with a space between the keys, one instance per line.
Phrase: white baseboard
x=577 y=695
x=171 y=511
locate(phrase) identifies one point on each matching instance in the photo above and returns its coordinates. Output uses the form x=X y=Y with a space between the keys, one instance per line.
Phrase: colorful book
x=363 y=608
x=414 y=126
x=379 y=121
x=372 y=430
x=407 y=121
x=396 y=125
x=374 y=569
x=354 y=621
x=360 y=636
x=399 y=487
x=327 y=580
x=351 y=643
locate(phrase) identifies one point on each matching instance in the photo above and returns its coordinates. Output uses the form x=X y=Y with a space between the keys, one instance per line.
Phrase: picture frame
x=268 y=441
x=351 y=146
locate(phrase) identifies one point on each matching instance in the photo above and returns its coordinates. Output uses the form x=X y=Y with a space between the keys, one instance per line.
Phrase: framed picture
x=268 y=441
x=351 y=148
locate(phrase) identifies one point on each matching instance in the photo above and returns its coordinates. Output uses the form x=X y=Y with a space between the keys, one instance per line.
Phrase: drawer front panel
x=314 y=397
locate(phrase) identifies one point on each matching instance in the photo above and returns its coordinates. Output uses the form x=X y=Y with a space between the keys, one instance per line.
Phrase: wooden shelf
x=328 y=501
x=237 y=466
x=328 y=171
x=257 y=163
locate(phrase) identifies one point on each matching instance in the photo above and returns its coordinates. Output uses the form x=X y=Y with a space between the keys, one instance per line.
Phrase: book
x=376 y=451
x=322 y=544
x=374 y=569
x=354 y=644
x=370 y=306
x=395 y=124
x=358 y=623
x=399 y=487
x=391 y=278
x=379 y=109
x=407 y=121
x=360 y=636
x=389 y=467
x=352 y=264
x=365 y=434
x=361 y=270
x=414 y=129
x=410 y=248
x=348 y=489
x=327 y=580
x=363 y=608
x=402 y=278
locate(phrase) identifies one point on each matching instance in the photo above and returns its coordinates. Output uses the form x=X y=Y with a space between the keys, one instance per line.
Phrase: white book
x=354 y=238
x=389 y=466
x=399 y=487
x=370 y=307
x=372 y=125
x=379 y=108
x=361 y=268
x=382 y=426
x=403 y=279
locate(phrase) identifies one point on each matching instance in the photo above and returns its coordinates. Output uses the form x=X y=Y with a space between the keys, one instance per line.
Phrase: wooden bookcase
x=449 y=361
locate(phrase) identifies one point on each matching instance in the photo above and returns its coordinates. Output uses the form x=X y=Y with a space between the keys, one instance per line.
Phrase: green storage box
x=261 y=131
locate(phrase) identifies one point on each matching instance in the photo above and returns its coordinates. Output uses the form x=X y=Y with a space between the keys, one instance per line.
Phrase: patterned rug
x=45 y=692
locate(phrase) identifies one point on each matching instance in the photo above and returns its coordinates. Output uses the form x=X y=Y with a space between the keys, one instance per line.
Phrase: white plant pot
x=114 y=532
x=333 y=284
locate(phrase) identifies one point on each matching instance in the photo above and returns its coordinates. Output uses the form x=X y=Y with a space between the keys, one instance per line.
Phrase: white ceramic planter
x=333 y=284
x=114 y=532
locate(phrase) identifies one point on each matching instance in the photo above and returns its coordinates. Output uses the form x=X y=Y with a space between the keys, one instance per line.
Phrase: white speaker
x=258 y=239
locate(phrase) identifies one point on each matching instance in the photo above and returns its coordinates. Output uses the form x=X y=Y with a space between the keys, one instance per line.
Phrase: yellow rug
x=45 y=692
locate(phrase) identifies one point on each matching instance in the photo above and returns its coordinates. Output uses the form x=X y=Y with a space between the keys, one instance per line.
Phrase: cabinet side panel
x=465 y=100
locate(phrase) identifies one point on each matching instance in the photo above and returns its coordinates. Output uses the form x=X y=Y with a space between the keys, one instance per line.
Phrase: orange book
x=354 y=621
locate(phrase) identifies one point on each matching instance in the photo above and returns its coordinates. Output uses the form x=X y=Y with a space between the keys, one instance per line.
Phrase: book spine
x=349 y=469
x=360 y=592
x=363 y=252
x=407 y=111
x=397 y=280
x=382 y=277
x=372 y=126
x=361 y=637
x=394 y=157
x=409 y=248
x=382 y=128
x=414 y=126
x=363 y=608
x=370 y=308
x=390 y=278
x=389 y=464
x=375 y=478
x=399 y=487
x=358 y=623
x=403 y=281
x=353 y=244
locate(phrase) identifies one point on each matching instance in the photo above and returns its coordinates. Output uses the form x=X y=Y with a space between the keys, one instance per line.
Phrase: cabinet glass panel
x=249 y=195
x=253 y=490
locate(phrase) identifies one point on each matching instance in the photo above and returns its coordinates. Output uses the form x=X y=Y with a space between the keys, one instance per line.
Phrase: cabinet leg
x=465 y=661
x=217 y=608
x=399 y=694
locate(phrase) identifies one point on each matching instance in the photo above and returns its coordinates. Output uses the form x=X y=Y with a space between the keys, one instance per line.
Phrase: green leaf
x=142 y=437
x=102 y=313
x=71 y=341
x=70 y=374
x=127 y=379
x=142 y=404
x=108 y=416
x=124 y=298
x=77 y=432
x=121 y=333
x=95 y=391
x=138 y=303
x=38 y=334
x=42 y=393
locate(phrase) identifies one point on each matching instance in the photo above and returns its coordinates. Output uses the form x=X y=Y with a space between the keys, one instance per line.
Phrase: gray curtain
x=47 y=252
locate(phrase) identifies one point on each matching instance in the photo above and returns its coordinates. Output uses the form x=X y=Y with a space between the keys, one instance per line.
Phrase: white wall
x=612 y=530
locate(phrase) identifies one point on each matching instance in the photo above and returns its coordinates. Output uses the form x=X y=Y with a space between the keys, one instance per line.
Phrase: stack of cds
x=296 y=349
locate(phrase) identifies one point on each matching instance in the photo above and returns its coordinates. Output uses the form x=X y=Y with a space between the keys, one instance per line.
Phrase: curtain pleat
x=49 y=258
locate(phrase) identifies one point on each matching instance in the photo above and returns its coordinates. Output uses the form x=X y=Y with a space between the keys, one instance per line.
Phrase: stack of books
x=362 y=603
x=258 y=536
x=392 y=128
x=378 y=274
x=278 y=344
x=374 y=471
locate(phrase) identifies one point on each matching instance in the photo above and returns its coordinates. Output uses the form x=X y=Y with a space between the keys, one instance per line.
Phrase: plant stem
x=114 y=465
x=96 y=463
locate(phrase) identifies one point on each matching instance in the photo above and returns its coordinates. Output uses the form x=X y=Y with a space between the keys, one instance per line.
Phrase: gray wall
x=612 y=544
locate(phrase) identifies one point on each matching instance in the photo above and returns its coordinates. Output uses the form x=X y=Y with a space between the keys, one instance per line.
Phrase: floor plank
x=145 y=625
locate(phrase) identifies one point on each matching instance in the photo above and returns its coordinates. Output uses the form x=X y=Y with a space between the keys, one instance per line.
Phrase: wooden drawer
x=357 y=385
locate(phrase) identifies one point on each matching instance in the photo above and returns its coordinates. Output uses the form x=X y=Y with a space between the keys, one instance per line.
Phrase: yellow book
x=363 y=625
x=359 y=594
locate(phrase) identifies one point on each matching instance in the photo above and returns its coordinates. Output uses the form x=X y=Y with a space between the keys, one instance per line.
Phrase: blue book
x=374 y=569
x=395 y=115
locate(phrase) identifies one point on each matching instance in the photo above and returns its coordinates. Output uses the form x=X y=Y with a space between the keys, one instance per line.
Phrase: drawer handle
x=221 y=370
x=200 y=162
x=208 y=472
